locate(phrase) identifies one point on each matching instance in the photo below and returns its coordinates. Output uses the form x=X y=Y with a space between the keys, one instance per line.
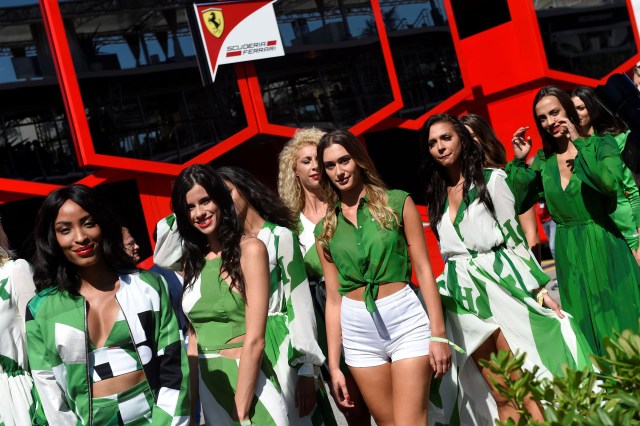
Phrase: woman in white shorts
x=363 y=244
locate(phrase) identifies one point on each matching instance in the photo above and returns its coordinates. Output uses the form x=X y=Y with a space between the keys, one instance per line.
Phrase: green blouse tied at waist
x=366 y=253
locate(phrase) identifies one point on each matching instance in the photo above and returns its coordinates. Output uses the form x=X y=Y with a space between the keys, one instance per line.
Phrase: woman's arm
x=23 y=287
x=334 y=329
x=439 y=353
x=524 y=181
x=255 y=269
x=194 y=374
x=598 y=163
x=529 y=225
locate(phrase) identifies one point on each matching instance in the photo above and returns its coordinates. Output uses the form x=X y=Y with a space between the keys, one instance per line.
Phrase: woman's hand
x=305 y=395
x=339 y=389
x=568 y=128
x=521 y=144
x=553 y=305
x=439 y=358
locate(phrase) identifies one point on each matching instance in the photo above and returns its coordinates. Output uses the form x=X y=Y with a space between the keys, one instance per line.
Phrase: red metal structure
x=501 y=68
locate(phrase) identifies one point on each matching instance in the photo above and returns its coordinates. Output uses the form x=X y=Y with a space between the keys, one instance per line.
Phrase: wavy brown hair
x=289 y=187
x=494 y=153
x=375 y=189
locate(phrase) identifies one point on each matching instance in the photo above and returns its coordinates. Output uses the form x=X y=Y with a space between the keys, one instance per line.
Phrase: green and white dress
x=217 y=315
x=486 y=285
x=17 y=404
x=291 y=334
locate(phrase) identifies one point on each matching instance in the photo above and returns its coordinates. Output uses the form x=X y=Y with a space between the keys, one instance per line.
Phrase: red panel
x=26 y=187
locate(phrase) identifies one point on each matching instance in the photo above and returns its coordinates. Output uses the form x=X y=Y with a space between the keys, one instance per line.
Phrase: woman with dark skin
x=579 y=176
x=102 y=339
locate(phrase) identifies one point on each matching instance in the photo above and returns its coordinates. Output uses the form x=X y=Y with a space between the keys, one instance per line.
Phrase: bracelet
x=448 y=342
x=540 y=296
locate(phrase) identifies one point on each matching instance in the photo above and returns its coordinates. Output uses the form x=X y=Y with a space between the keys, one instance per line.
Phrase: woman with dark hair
x=225 y=299
x=390 y=345
x=594 y=119
x=291 y=334
x=299 y=189
x=495 y=156
x=579 y=176
x=102 y=339
x=491 y=280
x=17 y=404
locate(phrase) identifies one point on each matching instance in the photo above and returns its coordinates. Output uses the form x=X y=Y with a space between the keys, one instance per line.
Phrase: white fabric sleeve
x=168 y=251
x=21 y=277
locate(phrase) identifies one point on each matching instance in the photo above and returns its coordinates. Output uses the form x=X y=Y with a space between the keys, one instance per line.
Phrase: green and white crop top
x=118 y=356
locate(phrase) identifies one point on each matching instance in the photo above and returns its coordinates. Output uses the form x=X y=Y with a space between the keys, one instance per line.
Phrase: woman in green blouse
x=363 y=244
x=580 y=175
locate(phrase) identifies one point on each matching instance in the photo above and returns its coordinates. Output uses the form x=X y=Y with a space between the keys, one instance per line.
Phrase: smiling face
x=79 y=236
x=549 y=112
x=583 y=112
x=341 y=169
x=203 y=211
x=445 y=145
x=306 y=167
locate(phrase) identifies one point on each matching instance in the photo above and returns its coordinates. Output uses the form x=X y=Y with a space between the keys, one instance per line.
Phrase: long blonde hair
x=375 y=189
x=289 y=187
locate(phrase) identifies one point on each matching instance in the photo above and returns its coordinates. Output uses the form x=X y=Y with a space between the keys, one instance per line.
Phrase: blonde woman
x=300 y=190
x=371 y=311
x=16 y=289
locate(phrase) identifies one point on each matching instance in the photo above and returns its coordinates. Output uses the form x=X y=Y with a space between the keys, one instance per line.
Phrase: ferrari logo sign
x=248 y=31
x=214 y=21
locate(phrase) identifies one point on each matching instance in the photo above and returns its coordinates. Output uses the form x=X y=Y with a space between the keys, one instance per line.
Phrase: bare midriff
x=118 y=384
x=384 y=290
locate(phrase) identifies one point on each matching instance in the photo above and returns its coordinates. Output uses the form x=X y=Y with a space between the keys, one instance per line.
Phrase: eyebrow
x=82 y=220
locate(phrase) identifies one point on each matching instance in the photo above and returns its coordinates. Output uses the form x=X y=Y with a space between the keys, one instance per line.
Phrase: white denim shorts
x=398 y=329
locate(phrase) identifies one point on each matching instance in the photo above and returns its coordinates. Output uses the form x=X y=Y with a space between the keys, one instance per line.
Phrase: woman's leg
x=411 y=378
x=358 y=415
x=506 y=409
x=376 y=387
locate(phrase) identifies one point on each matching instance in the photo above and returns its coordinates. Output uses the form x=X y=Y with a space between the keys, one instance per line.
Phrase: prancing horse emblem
x=214 y=20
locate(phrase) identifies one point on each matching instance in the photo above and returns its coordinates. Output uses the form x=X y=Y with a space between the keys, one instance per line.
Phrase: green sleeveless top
x=368 y=254
x=216 y=312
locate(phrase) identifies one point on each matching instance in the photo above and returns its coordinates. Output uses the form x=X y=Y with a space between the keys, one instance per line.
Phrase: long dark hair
x=601 y=120
x=548 y=141
x=265 y=201
x=51 y=267
x=435 y=176
x=494 y=153
x=195 y=243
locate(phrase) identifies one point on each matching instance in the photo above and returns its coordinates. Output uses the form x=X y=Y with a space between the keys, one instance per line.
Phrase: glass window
x=333 y=73
x=35 y=142
x=423 y=54
x=473 y=16
x=585 y=37
x=141 y=85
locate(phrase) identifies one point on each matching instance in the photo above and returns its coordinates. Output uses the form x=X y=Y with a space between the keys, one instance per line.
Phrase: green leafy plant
x=609 y=395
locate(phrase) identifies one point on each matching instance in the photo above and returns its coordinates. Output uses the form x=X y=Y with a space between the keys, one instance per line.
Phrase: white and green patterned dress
x=486 y=286
x=16 y=289
x=291 y=335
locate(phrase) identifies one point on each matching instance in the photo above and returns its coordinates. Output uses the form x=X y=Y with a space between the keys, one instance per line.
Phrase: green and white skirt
x=485 y=293
x=132 y=407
